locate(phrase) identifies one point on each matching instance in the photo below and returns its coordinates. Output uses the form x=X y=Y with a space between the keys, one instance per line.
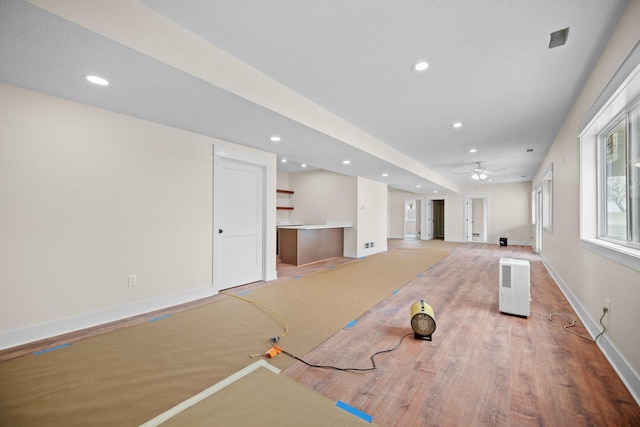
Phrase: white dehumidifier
x=514 y=287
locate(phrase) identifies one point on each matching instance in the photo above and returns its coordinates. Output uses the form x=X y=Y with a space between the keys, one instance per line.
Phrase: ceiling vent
x=558 y=38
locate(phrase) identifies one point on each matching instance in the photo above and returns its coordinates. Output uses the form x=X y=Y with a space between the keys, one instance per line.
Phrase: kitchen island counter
x=303 y=244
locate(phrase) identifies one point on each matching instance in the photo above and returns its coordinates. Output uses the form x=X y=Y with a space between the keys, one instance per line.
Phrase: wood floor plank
x=482 y=367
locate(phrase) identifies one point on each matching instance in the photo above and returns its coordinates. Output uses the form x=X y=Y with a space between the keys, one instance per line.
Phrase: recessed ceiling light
x=97 y=80
x=346 y=162
x=418 y=186
x=473 y=150
x=435 y=191
x=420 y=66
x=456 y=125
x=303 y=165
x=284 y=160
x=385 y=174
x=275 y=138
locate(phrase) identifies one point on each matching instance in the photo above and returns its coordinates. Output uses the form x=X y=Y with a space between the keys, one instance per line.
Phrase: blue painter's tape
x=332 y=266
x=159 y=318
x=396 y=291
x=358 y=413
x=47 y=350
x=245 y=292
x=350 y=324
x=420 y=275
x=297 y=277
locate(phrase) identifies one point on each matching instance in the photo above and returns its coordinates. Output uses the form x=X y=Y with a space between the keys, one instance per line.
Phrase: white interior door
x=238 y=223
x=429 y=219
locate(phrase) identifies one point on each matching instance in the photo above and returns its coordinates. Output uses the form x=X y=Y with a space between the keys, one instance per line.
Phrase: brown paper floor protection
x=126 y=377
x=264 y=398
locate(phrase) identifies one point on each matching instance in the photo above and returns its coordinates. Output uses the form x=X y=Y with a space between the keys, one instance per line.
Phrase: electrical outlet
x=372 y=244
x=133 y=280
x=607 y=306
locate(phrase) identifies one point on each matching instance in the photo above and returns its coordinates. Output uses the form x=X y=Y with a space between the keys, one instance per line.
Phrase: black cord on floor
x=373 y=361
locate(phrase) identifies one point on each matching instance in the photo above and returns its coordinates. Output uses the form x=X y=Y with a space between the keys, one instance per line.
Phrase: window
x=610 y=168
x=620 y=166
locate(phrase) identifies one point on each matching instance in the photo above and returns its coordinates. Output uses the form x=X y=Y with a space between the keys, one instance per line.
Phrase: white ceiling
x=338 y=72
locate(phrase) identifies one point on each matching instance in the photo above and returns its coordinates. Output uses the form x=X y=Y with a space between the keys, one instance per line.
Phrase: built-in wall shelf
x=285 y=193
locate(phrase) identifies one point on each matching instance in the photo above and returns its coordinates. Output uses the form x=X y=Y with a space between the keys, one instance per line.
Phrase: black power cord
x=373 y=361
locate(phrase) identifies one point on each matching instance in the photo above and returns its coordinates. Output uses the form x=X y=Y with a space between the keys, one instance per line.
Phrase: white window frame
x=547 y=199
x=620 y=95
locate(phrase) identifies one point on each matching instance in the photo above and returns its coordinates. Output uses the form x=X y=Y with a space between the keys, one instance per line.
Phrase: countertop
x=314 y=226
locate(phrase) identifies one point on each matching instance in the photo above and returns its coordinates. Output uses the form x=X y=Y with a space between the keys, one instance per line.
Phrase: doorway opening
x=476 y=218
x=435 y=219
x=412 y=218
x=537 y=212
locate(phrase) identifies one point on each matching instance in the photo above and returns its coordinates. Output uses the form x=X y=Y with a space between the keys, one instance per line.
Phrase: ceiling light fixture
x=473 y=150
x=284 y=160
x=97 y=80
x=456 y=125
x=418 y=186
x=420 y=66
x=346 y=162
x=478 y=176
x=303 y=165
x=385 y=174
x=275 y=138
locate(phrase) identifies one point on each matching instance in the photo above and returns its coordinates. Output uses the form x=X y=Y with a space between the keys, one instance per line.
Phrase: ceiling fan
x=478 y=173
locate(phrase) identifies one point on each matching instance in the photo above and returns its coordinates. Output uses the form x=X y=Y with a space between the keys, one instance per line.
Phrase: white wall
x=509 y=212
x=395 y=212
x=322 y=197
x=89 y=197
x=282 y=199
x=372 y=217
x=589 y=279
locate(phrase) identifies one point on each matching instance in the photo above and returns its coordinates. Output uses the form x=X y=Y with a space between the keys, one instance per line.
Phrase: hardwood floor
x=482 y=367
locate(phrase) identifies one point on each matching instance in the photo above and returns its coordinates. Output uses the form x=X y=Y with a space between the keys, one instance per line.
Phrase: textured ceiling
x=490 y=68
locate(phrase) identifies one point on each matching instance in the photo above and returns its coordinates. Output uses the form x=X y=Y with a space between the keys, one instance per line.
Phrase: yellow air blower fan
x=423 y=321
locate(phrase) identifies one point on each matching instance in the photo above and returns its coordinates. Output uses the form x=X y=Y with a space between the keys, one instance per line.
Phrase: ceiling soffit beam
x=167 y=42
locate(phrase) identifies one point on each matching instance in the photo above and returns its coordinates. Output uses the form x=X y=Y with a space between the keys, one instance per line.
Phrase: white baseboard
x=625 y=371
x=41 y=331
x=366 y=252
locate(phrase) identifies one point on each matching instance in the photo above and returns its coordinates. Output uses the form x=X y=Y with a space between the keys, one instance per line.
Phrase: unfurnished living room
x=325 y=213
